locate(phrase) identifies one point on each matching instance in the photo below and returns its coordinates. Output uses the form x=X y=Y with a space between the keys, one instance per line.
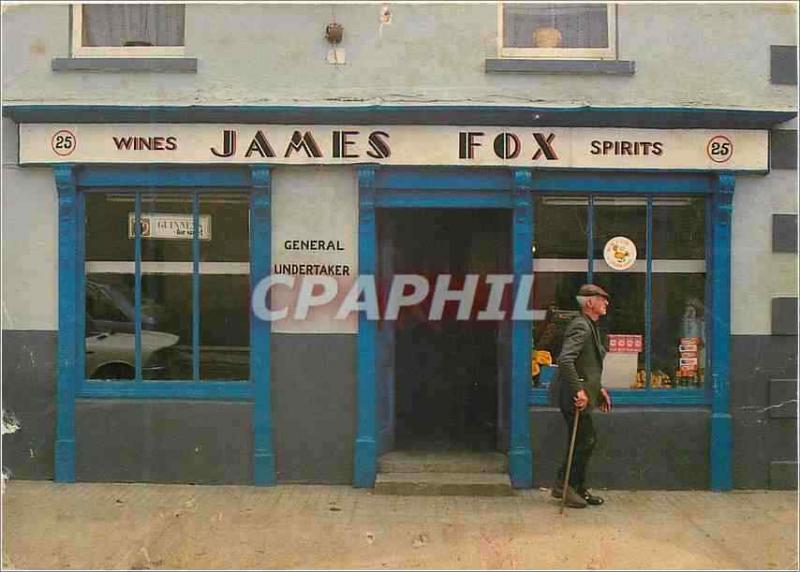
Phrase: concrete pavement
x=143 y=526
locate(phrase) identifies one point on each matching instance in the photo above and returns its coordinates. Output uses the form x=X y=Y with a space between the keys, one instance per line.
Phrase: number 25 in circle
x=63 y=142
x=719 y=149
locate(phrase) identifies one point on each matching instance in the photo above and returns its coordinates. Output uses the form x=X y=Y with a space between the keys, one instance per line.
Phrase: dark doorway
x=445 y=372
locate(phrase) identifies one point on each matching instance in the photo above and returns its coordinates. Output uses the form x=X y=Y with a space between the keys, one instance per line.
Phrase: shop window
x=557 y=30
x=187 y=298
x=655 y=329
x=127 y=30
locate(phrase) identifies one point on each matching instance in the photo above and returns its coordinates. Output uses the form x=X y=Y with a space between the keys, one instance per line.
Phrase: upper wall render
x=704 y=55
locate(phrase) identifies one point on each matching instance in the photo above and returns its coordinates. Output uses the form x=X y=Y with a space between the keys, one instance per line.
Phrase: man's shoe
x=590 y=498
x=574 y=500
x=558 y=491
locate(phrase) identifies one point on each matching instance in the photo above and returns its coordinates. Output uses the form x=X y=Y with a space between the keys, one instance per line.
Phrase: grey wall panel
x=784 y=316
x=29 y=390
x=783 y=149
x=783 y=475
x=783 y=65
x=758 y=438
x=783 y=398
x=637 y=448
x=164 y=441
x=784 y=233
x=314 y=406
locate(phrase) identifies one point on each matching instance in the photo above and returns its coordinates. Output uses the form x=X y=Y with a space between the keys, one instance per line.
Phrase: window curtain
x=133 y=24
x=581 y=25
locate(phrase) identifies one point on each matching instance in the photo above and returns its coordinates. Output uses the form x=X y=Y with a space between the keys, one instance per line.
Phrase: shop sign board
x=541 y=147
x=169 y=226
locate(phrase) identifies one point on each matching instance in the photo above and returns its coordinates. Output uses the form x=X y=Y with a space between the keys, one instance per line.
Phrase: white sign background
x=410 y=145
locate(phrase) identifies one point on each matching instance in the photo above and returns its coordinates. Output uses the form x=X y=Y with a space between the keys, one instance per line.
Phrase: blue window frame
x=647 y=189
x=74 y=186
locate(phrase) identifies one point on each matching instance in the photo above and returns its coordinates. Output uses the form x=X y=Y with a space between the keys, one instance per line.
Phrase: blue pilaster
x=68 y=328
x=366 y=460
x=721 y=423
x=520 y=460
x=260 y=261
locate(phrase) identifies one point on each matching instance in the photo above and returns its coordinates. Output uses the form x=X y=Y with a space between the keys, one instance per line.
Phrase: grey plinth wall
x=637 y=448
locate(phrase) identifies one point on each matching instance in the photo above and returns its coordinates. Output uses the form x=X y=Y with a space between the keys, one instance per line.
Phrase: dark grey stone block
x=783 y=398
x=783 y=149
x=122 y=65
x=784 y=316
x=758 y=438
x=637 y=448
x=314 y=407
x=571 y=67
x=783 y=65
x=164 y=441
x=783 y=475
x=784 y=233
x=29 y=393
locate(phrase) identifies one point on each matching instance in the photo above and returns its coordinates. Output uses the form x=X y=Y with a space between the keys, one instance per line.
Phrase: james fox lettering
x=344 y=145
x=507 y=145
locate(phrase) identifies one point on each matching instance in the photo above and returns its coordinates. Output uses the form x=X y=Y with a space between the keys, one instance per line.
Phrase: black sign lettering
x=378 y=145
x=340 y=143
x=260 y=145
x=545 y=146
x=228 y=144
x=303 y=142
x=467 y=143
x=507 y=146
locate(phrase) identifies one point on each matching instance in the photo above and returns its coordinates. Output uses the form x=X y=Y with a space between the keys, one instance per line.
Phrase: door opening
x=443 y=381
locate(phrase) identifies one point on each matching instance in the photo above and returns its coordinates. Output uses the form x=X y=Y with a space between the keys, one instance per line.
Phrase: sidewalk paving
x=143 y=526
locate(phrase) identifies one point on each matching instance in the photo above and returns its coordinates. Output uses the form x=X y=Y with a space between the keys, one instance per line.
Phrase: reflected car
x=110 y=355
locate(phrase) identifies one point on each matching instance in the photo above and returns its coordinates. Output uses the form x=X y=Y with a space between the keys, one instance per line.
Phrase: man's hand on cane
x=581 y=400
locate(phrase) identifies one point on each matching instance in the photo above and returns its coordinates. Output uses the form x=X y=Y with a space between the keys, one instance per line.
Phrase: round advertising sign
x=620 y=253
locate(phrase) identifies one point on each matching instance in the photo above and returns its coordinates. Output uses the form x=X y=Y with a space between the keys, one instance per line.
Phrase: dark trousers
x=584 y=444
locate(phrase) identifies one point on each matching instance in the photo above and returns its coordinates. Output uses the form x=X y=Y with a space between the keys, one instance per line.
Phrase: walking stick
x=569 y=460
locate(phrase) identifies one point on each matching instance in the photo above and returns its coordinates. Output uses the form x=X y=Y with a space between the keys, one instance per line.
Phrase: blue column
x=260 y=261
x=721 y=424
x=366 y=460
x=69 y=344
x=520 y=461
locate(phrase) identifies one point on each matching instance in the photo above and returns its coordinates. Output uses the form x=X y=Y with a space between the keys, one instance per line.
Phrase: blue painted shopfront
x=381 y=187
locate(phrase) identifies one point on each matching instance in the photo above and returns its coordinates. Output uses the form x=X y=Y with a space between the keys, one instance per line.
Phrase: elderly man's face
x=599 y=305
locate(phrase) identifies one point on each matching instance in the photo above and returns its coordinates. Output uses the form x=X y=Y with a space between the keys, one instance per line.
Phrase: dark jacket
x=580 y=364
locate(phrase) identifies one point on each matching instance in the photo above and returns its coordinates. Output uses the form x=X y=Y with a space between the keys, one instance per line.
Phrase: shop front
x=377 y=284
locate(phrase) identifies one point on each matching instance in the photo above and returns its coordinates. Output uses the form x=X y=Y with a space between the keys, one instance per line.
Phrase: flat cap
x=593 y=290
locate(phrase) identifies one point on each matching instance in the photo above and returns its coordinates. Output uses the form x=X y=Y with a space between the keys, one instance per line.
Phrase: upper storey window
x=128 y=30
x=565 y=30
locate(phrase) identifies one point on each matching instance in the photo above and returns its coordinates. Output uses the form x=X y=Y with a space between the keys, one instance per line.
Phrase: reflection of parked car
x=112 y=308
x=110 y=355
x=110 y=341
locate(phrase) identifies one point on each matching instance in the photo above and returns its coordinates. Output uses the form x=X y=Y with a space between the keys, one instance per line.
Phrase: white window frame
x=609 y=53
x=81 y=51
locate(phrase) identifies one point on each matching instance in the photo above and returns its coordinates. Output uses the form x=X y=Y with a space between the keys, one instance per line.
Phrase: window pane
x=167 y=267
x=560 y=227
x=625 y=317
x=620 y=216
x=133 y=24
x=166 y=223
x=679 y=228
x=554 y=295
x=108 y=291
x=225 y=288
x=555 y=25
x=678 y=323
